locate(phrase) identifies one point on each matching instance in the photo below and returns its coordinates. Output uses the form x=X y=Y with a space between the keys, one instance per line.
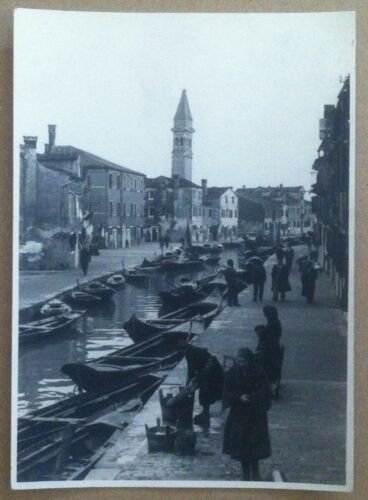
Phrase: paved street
x=36 y=286
x=307 y=425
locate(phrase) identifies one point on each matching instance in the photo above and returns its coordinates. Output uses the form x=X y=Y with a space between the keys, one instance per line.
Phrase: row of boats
x=59 y=315
x=63 y=441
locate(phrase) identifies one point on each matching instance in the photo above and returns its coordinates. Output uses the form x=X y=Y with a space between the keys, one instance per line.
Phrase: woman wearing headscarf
x=273 y=322
x=248 y=395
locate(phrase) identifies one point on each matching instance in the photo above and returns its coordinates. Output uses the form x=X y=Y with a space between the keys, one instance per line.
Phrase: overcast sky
x=256 y=85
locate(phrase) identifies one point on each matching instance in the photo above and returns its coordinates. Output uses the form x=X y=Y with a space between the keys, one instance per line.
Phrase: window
x=88 y=181
x=110 y=181
x=150 y=195
x=151 y=212
x=235 y=213
x=230 y=214
x=118 y=181
x=233 y=199
x=131 y=210
x=135 y=184
x=111 y=209
x=223 y=213
x=226 y=199
x=124 y=210
x=118 y=208
x=209 y=212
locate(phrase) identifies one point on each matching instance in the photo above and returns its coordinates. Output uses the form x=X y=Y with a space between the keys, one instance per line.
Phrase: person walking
x=248 y=395
x=258 y=274
x=308 y=277
x=231 y=279
x=289 y=256
x=206 y=374
x=280 y=281
x=273 y=322
x=84 y=259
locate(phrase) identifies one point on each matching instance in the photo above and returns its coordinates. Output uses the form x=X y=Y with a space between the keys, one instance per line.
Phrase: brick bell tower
x=182 y=141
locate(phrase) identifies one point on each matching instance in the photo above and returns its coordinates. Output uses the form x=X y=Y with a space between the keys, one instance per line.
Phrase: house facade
x=172 y=204
x=220 y=208
x=330 y=201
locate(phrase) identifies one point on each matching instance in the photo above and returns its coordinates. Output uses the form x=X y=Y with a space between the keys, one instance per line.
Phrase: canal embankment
x=37 y=287
x=307 y=425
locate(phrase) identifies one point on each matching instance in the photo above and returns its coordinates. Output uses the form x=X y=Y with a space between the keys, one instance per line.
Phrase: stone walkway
x=38 y=286
x=308 y=423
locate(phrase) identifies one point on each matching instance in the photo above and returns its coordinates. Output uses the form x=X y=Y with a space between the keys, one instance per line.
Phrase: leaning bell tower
x=182 y=141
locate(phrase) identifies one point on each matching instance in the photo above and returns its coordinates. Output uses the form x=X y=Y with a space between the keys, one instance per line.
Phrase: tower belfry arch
x=182 y=140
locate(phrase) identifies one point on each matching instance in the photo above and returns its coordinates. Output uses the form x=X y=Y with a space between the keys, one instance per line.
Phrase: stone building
x=331 y=192
x=182 y=140
x=53 y=192
x=220 y=209
x=285 y=208
x=172 y=204
x=251 y=215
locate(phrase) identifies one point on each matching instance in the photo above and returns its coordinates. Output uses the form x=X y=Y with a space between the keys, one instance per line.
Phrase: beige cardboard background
x=361 y=326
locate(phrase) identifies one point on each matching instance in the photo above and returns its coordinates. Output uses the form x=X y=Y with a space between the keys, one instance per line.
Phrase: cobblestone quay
x=307 y=424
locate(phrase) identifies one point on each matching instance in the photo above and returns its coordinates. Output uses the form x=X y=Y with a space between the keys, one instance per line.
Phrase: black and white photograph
x=183 y=250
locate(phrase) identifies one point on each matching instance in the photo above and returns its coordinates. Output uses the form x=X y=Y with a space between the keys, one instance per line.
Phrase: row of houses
x=65 y=185
x=68 y=189
x=331 y=192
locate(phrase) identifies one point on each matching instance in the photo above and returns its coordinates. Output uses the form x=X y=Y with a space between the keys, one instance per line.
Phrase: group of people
x=279 y=275
x=246 y=389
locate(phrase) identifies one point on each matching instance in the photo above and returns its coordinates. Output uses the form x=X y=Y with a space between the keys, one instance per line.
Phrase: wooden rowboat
x=98 y=289
x=53 y=325
x=62 y=441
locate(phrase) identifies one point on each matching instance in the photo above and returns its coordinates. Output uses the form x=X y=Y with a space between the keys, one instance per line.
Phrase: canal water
x=99 y=332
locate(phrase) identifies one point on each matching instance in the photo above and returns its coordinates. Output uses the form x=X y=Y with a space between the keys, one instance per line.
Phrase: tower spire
x=182 y=141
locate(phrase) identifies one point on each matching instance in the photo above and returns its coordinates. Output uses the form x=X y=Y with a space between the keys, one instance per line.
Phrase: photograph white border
x=41 y=485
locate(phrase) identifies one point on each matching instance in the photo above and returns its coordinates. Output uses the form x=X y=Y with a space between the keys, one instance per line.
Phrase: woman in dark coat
x=206 y=374
x=280 y=280
x=248 y=394
x=308 y=277
x=273 y=322
x=269 y=354
x=258 y=273
x=84 y=259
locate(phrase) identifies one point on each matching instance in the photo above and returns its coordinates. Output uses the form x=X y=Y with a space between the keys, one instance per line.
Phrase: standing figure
x=84 y=259
x=308 y=277
x=232 y=282
x=162 y=244
x=273 y=322
x=258 y=273
x=206 y=374
x=248 y=395
x=280 y=280
x=289 y=256
x=269 y=355
x=167 y=240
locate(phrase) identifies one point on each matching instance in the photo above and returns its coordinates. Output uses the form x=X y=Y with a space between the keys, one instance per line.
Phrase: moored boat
x=113 y=371
x=61 y=440
x=82 y=299
x=98 y=289
x=116 y=281
x=52 y=325
x=54 y=307
x=134 y=277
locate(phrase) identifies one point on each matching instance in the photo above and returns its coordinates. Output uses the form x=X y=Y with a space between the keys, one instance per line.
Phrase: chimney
x=30 y=141
x=52 y=135
x=204 y=187
x=244 y=186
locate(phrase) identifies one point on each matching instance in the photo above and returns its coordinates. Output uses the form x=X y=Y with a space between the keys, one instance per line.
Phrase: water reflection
x=99 y=332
